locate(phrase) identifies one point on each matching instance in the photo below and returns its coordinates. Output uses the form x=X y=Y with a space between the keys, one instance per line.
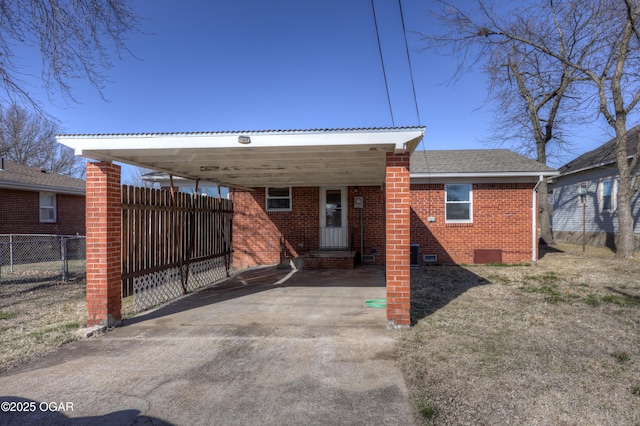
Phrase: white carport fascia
x=278 y=158
x=397 y=137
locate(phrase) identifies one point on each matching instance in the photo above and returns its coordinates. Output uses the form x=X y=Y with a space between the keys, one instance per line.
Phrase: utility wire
x=384 y=73
x=406 y=46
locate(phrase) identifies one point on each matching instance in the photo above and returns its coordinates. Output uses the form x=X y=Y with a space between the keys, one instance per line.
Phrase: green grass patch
x=593 y=300
x=495 y=278
x=506 y=265
x=54 y=332
x=7 y=315
x=550 y=291
x=429 y=412
x=545 y=284
x=621 y=300
x=635 y=390
x=546 y=278
x=621 y=357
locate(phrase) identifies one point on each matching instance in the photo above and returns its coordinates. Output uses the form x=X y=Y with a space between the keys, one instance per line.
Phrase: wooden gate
x=172 y=243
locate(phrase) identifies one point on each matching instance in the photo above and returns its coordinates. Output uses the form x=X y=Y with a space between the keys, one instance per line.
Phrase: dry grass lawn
x=38 y=318
x=553 y=343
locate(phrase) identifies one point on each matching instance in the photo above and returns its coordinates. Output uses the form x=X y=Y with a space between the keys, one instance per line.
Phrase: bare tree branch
x=75 y=39
x=29 y=139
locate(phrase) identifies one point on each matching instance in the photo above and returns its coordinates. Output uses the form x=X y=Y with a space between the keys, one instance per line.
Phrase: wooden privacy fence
x=172 y=243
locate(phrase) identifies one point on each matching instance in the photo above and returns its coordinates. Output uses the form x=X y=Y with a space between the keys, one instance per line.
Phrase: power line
x=406 y=46
x=384 y=73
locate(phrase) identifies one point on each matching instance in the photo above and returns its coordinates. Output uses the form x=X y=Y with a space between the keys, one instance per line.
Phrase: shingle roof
x=475 y=161
x=604 y=154
x=17 y=176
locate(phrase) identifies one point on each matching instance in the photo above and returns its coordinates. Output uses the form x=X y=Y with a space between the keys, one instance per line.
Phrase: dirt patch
x=555 y=342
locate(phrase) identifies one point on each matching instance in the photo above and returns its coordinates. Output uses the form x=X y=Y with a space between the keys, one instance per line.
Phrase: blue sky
x=282 y=64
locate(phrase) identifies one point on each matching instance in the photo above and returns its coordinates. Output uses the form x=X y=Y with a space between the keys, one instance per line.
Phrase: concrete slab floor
x=305 y=351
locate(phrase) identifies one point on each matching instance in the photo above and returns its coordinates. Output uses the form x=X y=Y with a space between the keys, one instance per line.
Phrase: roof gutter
x=484 y=174
x=534 y=222
x=42 y=188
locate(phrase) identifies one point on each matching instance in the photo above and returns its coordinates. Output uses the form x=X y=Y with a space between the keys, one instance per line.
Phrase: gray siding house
x=585 y=197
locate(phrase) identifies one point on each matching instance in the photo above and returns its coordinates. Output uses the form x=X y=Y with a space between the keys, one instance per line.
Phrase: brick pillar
x=103 y=221
x=398 y=235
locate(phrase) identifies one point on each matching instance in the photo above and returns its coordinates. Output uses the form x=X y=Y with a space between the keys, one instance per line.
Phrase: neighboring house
x=467 y=206
x=585 y=196
x=35 y=201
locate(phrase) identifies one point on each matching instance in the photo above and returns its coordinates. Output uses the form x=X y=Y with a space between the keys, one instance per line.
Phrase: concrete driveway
x=263 y=348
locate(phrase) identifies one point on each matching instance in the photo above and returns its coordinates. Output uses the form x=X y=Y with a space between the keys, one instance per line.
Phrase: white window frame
x=583 y=194
x=613 y=203
x=267 y=198
x=46 y=196
x=446 y=202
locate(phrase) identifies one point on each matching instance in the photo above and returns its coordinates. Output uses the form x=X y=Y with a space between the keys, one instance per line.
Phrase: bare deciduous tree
x=74 y=38
x=532 y=93
x=29 y=139
x=606 y=37
x=610 y=29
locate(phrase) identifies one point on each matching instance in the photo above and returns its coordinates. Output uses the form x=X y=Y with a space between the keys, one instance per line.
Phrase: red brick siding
x=501 y=220
x=257 y=233
x=104 y=218
x=373 y=218
x=20 y=214
x=398 y=235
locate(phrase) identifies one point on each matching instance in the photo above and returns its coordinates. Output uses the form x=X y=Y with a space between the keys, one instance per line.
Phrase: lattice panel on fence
x=153 y=289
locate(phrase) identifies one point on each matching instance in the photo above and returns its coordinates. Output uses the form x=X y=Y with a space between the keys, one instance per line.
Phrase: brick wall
x=257 y=233
x=501 y=220
x=373 y=218
x=20 y=214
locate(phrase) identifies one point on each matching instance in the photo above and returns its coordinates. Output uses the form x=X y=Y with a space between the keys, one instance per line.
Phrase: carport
x=246 y=160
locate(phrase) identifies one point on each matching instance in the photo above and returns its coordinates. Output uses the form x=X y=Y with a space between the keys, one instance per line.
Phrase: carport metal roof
x=321 y=157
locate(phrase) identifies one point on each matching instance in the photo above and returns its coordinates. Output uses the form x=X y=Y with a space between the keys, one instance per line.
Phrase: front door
x=334 y=233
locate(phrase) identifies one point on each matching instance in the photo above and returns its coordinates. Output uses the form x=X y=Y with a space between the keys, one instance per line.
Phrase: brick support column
x=103 y=222
x=398 y=235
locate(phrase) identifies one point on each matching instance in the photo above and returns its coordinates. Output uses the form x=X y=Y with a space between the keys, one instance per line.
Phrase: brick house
x=474 y=206
x=331 y=196
x=35 y=201
x=467 y=206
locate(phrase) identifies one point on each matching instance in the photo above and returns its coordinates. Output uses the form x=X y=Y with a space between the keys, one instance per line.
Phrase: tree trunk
x=544 y=213
x=626 y=245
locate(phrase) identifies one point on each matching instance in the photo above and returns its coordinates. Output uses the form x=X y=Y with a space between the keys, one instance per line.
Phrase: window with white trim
x=48 y=207
x=278 y=199
x=608 y=195
x=458 y=203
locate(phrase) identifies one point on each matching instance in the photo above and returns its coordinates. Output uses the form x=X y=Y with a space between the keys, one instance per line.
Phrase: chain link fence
x=27 y=258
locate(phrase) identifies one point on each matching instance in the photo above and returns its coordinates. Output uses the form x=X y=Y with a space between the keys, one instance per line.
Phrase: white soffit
x=292 y=158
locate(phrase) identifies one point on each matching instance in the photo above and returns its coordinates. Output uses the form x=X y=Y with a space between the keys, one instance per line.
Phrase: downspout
x=534 y=222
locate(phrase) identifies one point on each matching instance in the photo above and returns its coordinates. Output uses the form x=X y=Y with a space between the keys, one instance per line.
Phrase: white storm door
x=334 y=232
